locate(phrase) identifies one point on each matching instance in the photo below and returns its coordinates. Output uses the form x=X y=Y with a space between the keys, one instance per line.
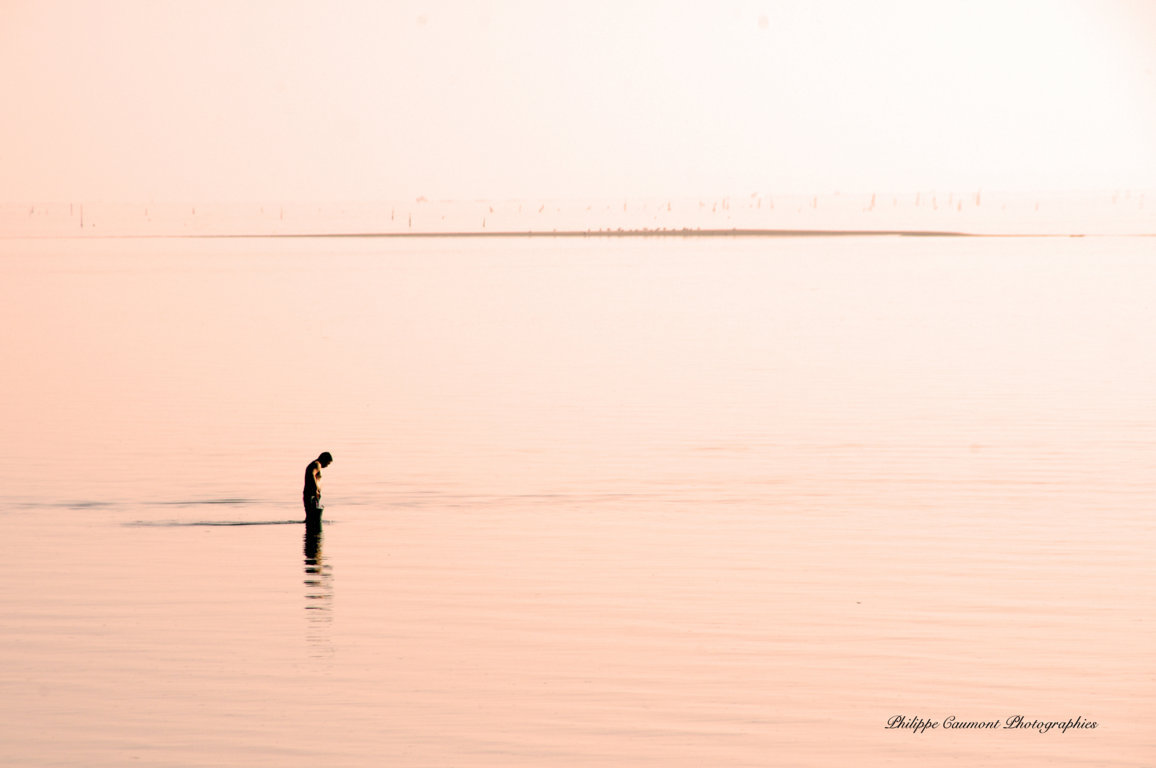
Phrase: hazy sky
x=272 y=100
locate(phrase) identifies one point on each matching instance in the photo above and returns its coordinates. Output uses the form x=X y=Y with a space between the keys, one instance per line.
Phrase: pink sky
x=133 y=100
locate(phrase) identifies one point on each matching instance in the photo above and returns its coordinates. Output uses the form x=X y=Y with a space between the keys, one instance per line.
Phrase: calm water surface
x=667 y=502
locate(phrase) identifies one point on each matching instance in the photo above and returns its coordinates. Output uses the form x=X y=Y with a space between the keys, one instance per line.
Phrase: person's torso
x=312 y=475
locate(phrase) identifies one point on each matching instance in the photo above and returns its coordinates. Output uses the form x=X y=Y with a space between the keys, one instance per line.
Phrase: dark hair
x=325 y=458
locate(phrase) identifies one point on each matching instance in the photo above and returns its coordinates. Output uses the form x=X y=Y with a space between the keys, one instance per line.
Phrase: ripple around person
x=196 y=523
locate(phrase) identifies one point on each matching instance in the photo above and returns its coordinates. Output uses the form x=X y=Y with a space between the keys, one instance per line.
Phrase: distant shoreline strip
x=635 y=233
x=621 y=233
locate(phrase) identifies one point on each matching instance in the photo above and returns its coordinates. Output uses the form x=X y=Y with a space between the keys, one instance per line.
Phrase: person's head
x=326 y=459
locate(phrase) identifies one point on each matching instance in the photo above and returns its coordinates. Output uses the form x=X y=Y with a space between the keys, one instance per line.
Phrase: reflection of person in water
x=312 y=493
x=318 y=595
x=312 y=550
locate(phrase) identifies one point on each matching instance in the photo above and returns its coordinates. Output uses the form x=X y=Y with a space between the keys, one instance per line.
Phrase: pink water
x=594 y=502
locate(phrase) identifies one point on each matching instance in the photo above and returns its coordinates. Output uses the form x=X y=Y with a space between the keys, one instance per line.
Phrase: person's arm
x=317 y=479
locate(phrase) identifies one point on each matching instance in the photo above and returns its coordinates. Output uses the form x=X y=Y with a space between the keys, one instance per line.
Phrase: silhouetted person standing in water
x=312 y=493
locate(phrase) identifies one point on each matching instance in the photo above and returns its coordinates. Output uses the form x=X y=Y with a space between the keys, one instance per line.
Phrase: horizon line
x=616 y=233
